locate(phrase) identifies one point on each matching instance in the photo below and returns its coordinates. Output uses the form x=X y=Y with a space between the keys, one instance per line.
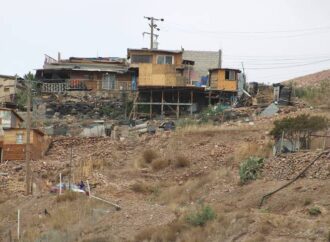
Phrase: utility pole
x=27 y=148
x=70 y=174
x=152 y=27
x=220 y=58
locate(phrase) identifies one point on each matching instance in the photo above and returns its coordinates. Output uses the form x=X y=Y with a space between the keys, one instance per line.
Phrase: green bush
x=314 y=211
x=201 y=217
x=249 y=169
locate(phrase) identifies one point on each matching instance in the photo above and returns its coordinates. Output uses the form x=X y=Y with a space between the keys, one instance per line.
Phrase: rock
x=18 y=168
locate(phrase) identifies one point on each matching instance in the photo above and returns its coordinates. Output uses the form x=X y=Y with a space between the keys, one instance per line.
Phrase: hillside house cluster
x=165 y=81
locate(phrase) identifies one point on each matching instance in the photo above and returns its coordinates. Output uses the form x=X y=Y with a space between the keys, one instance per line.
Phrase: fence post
x=281 y=145
x=18 y=224
x=60 y=183
x=89 y=189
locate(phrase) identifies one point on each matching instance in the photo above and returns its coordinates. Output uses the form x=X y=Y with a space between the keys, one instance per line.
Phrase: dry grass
x=166 y=233
x=149 y=156
x=181 y=161
x=141 y=187
x=253 y=149
x=159 y=164
x=210 y=128
x=67 y=196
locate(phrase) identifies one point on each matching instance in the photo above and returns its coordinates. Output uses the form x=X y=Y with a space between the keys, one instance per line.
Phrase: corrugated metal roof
x=87 y=67
x=229 y=69
x=155 y=50
x=13 y=111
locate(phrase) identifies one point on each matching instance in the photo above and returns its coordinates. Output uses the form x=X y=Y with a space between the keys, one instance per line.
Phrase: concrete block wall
x=204 y=60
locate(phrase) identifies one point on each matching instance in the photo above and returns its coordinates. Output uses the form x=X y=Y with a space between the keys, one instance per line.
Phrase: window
x=165 y=59
x=141 y=59
x=6 y=89
x=108 y=82
x=19 y=138
x=230 y=75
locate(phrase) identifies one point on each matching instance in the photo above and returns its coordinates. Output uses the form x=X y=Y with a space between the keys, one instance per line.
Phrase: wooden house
x=13 y=144
x=9 y=88
x=224 y=79
x=10 y=118
x=85 y=74
x=13 y=138
x=157 y=67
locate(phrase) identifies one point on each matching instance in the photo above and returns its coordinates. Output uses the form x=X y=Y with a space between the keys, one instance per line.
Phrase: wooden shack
x=85 y=74
x=13 y=144
x=9 y=118
x=157 y=67
x=224 y=79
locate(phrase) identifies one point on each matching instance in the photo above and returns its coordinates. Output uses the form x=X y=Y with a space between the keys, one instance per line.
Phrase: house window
x=19 y=138
x=141 y=59
x=6 y=89
x=230 y=75
x=165 y=59
x=108 y=82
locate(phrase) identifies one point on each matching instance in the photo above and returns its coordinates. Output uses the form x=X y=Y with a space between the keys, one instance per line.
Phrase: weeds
x=141 y=187
x=149 y=156
x=249 y=169
x=247 y=150
x=307 y=201
x=314 y=211
x=182 y=161
x=201 y=217
x=159 y=164
x=67 y=196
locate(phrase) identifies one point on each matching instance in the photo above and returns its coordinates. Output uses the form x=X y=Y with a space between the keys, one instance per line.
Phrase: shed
x=224 y=79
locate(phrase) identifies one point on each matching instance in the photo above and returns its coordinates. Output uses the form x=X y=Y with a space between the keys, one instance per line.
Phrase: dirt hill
x=311 y=79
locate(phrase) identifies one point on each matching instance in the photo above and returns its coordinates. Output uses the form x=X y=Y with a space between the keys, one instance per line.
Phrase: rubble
x=287 y=166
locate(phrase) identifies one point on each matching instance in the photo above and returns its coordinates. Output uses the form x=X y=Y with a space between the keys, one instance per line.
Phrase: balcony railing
x=65 y=85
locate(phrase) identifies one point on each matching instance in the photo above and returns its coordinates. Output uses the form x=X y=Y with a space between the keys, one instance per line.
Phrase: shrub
x=307 y=201
x=250 y=168
x=159 y=164
x=314 y=211
x=67 y=196
x=141 y=187
x=149 y=156
x=298 y=127
x=201 y=217
x=182 y=161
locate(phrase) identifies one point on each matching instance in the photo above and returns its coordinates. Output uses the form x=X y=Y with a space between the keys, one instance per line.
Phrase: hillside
x=163 y=181
x=311 y=79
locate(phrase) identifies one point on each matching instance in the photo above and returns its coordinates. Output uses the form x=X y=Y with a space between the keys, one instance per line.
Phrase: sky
x=274 y=40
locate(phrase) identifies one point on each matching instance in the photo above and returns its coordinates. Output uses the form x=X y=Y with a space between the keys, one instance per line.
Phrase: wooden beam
x=151 y=104
x=163 y=103
x=162 y=107
x=178 y=107
x=191 y=101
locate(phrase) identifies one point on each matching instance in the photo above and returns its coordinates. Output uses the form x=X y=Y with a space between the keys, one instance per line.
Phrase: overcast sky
x=276 y=39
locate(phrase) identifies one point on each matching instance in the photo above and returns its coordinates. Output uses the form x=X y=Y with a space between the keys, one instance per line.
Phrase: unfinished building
x=164 y=84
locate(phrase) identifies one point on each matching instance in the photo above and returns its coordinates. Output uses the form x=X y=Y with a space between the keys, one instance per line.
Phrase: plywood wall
x=218 y=81
x=13 y=151
x=159 y=75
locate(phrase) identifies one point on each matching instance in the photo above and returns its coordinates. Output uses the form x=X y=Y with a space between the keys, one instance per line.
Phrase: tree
x=299 y=127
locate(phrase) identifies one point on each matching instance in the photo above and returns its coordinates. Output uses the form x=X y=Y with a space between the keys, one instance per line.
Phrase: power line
x=258 y=32
x=290 y=66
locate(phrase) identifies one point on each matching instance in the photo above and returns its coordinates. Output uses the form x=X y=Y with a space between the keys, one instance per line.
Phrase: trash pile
x=288 y=166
